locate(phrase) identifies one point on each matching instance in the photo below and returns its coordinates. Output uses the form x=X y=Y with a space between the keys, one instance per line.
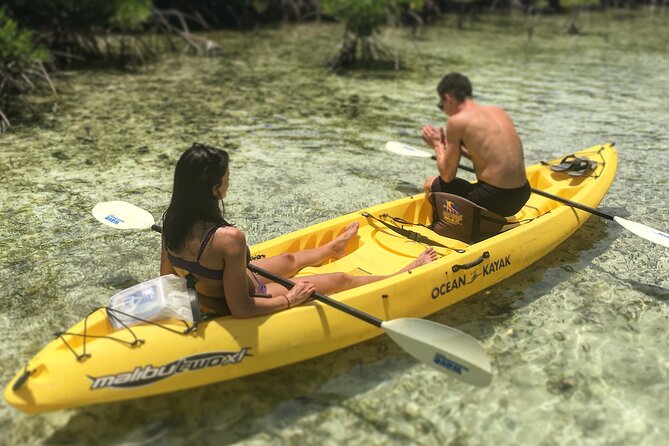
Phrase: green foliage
x=131 y=14
x=17 y=47
x=571 y=4
x=258 y=5
x=362 y=17
x=413 y=5
x=80 y=14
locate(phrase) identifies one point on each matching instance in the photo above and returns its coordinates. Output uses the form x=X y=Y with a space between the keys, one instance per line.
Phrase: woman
x=197 y=239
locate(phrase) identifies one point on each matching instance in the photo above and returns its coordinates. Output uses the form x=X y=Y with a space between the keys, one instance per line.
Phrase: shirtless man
x=484 y=134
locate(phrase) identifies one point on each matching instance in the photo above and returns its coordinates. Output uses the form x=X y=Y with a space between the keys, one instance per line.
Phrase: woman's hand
x=300 y=292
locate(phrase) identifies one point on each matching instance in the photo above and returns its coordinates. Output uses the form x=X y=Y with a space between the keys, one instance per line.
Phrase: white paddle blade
x=122 y=215
x=405 y=150
x=446 y=349
x=653 y=235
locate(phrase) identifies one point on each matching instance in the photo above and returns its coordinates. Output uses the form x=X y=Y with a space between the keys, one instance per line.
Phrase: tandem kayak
x=92 y=363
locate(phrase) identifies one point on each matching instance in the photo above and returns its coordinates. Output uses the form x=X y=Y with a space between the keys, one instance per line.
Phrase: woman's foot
x=337 y=246
x=427 y=256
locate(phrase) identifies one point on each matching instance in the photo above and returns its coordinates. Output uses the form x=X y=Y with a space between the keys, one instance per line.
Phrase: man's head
x=456 y=85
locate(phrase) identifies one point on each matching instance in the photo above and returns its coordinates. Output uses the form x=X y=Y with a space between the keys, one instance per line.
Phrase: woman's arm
x=232 y=245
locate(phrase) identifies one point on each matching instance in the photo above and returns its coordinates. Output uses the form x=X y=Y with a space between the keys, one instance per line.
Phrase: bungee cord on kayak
x=110 y=314
x=190 y=328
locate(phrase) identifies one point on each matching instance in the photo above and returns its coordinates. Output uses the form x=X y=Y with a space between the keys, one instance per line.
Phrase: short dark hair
x=455 y=84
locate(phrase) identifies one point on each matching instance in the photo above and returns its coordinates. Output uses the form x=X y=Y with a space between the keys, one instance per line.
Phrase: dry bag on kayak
x=165 y=297
x=456 y=217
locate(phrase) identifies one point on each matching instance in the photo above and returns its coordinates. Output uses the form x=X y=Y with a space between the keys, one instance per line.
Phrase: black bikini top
x=195 y=267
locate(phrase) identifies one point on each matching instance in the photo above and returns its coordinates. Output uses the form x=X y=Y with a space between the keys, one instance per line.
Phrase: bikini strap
x=207 y=237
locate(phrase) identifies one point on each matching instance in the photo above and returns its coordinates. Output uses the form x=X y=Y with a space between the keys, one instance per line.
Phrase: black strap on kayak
x=411 y=235
x=403 y=221
x=194 y=304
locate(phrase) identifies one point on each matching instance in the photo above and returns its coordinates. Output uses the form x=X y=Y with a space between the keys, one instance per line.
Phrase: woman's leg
x=288 y=264
x=335 y=282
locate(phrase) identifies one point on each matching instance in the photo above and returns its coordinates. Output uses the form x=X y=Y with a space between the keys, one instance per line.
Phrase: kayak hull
x=150 y=359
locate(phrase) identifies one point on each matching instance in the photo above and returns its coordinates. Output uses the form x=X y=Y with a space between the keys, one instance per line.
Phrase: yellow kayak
x=91 y=363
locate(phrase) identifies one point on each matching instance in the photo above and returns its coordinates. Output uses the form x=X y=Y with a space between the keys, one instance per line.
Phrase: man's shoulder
x=456 y=124
x=494 y=109
x=459 y=121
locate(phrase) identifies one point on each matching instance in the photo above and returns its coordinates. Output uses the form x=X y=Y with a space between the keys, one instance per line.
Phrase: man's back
x=489 y=136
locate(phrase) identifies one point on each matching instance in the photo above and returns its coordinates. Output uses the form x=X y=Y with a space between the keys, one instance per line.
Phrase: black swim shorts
x=505 y=202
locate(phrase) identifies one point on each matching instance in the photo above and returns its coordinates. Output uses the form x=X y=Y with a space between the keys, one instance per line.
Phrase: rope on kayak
x=411 y=235
x=135 y=342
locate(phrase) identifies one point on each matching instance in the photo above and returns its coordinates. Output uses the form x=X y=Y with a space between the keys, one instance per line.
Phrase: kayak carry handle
x=22 y=379
x=472 y=264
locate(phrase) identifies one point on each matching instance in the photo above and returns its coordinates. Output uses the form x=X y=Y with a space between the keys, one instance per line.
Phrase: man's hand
x=431 y=135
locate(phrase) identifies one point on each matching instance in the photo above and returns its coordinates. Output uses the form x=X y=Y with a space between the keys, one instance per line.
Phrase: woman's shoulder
x=229 y=239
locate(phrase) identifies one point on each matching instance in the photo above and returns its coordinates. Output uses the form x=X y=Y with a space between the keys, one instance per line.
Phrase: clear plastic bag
x=165 y=297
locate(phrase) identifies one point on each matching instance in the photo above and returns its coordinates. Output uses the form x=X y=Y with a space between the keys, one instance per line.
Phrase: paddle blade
x=444 y=348
x=653 y=235
x=405 y=150
x=122 y=215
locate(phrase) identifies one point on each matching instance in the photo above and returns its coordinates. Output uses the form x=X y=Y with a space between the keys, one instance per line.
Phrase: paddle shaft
x=560 y=199
x=318 y=296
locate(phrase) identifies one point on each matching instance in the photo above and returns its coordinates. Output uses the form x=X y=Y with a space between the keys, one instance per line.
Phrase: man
x=484 y=134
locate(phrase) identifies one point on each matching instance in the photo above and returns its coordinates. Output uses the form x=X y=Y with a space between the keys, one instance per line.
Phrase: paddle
x=439 y=346
x=643 y=231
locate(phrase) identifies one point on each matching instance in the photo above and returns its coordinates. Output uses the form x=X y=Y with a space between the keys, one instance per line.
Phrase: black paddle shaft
x=318 y=296
x=560 y=199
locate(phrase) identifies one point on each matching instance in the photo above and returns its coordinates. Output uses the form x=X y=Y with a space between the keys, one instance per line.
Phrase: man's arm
x=448 y=151
x=463 y=150
x=430 y=135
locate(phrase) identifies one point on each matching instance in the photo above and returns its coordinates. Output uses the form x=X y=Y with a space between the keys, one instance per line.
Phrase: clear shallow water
x=578 y=341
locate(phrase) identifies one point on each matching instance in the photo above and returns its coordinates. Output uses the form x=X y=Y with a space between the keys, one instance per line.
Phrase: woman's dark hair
x=198 y=171
x=455 y=84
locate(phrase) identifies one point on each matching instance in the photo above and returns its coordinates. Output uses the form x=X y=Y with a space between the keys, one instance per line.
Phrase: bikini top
x=195 y=267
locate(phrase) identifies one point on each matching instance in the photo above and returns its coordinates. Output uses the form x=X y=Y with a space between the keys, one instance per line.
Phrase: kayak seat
x=456 y=217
